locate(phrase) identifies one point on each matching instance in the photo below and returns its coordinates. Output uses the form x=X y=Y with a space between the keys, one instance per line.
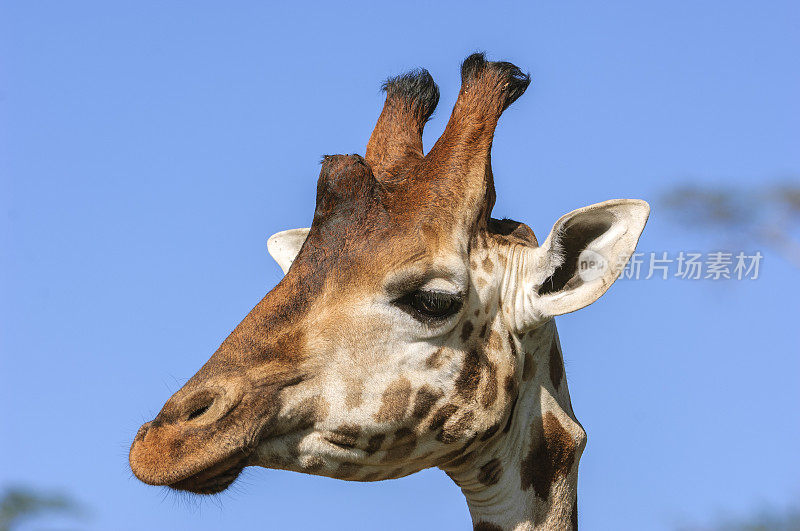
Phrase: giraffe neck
x=526 y=477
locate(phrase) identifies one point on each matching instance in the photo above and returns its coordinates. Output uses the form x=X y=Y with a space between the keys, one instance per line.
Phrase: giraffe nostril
x=198 y=412
x=204 y=406
x=198 y=405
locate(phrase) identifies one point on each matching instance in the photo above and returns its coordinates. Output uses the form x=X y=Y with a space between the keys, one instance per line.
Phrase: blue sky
x=148 y=150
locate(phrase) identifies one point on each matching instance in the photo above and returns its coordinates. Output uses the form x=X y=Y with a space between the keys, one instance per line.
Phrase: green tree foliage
x=764 y=520
x=767 y=216
x=20 y=503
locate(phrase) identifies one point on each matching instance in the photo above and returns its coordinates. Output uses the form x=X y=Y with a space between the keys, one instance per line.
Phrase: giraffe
x=410 y=329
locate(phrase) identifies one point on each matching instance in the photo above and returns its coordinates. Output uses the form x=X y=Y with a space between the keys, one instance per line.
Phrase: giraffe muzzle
x=202 y=438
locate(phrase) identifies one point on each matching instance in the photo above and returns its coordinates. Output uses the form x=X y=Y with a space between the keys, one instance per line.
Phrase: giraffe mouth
x=215 y=478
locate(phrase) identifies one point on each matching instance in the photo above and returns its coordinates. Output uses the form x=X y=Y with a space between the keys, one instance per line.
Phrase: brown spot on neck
x=394 y=401
x=574 y=515
x=346 y=435
x=310 y=411
x=425 y=400
x=353 y=393
x=466 y=331
x=467 y=382
x=488 y=265
x=434 y=361
x=495 y=342
x=374 y=443
x=456 y=430
x=556 y=365
x=441 y=416
x=490 y=473
x=551 y=456
x=490 y=391
x=529 y=367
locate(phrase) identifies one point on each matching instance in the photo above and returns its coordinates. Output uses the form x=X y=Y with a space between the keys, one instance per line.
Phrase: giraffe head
x=394 y=341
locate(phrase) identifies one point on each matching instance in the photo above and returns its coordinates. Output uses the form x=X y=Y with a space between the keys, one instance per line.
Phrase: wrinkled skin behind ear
x=285 y=245
x=583 y=255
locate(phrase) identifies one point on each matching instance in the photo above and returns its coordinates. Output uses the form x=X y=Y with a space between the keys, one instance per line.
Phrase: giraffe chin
x=213 y=479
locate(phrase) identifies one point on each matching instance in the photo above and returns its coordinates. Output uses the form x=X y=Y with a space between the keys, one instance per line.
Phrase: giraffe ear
x=580 y=259
x=284 y=246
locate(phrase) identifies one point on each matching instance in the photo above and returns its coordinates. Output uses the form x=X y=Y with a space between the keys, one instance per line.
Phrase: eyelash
x=430 y=306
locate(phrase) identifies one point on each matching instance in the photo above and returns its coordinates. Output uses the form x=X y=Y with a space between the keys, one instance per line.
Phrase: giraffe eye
x=430 y=306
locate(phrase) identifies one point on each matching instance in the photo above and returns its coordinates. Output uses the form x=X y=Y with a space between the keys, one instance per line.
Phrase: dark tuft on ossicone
x=417 y=89
x=514 y=80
